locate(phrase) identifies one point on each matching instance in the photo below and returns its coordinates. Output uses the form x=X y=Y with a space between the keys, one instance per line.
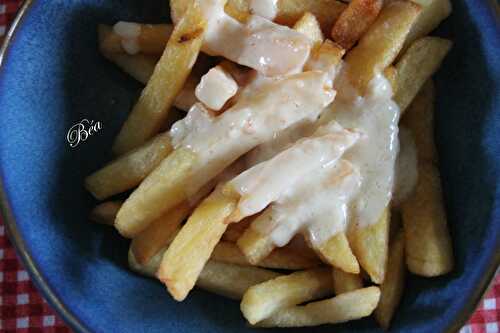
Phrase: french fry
x=325 y=11
x=380 y=45
x=370 y=245
x=354 y=21
x=166 y=82
x=231 y=281
x=255 y=245
x=227 y=280
x=345 y=307
x=184 y=259
x=280 y=258
x=105 y=212
x=262 y=300
x=428 y=245
x=337 y=252
x=129 y=170
x=151 y=40
x=391 y=74
x=141 y=209
x=433 y=12
x=159 y=233
x=309 y=26
x=419 y=119
x=417 y=65
x=327 y=56
x=345 y=282
x=391 y=290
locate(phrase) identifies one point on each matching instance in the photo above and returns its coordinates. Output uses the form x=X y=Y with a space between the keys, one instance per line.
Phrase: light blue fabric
x=53 y=77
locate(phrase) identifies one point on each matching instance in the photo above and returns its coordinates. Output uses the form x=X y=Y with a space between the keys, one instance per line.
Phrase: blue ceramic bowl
x=52 y=76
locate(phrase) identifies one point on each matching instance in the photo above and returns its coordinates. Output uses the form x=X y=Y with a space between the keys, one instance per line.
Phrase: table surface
x=23 y=309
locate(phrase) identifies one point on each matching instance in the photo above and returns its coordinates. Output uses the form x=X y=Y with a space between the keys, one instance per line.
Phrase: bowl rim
x=76 y=324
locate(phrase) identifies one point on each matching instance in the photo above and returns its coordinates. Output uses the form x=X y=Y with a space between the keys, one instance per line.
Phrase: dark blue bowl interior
x=53 y=76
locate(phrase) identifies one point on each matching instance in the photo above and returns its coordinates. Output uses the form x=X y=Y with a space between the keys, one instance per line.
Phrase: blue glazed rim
x=50 y=295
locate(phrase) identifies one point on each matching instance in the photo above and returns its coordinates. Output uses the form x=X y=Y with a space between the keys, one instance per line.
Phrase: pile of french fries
x=185 y=239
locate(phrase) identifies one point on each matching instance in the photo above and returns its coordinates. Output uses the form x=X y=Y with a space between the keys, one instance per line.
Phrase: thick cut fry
x=227 y=280
x=262 y=300
x=254 y=245
x=391 y=290
x=417 y=65
x=370 y=245
x=419 y=119
x=280 y=258
x=354 y=21
x=337 y=252
x=190 y=250
x=238 y=9
x=167 y=80
x=159 y=233
x=428 y=245
x=148 y=202
x=309 y=26
x=129 y=170
x=433 y=12
x=391 y=74
x=345 y=307
x=325 y=11
x=152 y=38
x=105 y=212
x=378 y=48
x=345 y=282
x=326 y=57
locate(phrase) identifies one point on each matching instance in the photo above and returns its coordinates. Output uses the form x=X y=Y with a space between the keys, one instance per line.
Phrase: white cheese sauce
x=265 y=8
x=254 y=119
x=317 y=207
x=267 y=47
x=376 y=115
x=129 y=33
x=268 y=181
x=406 y=167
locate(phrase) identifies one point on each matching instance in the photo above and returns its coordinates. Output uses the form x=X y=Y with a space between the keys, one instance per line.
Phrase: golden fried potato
x=419 y=119
x=380 y=45
x=129 y=170
x=355 y=21
x=370 y=245
x=262 y=300
x=428 y=245
x=167 y=80
x=417 y=65
x=391 y=290
x=185 y=257
x=345 y=307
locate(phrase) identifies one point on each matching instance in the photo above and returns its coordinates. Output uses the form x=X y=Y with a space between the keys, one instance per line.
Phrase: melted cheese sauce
x=317 y=207
x=376 y=115
x=265 y=8
x=260 y=44
x=129 y=33
x=406 y=168
x=254 y=119
x=268 y=181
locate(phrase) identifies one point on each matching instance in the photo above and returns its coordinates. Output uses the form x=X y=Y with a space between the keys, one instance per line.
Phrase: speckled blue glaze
x=53 y=76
